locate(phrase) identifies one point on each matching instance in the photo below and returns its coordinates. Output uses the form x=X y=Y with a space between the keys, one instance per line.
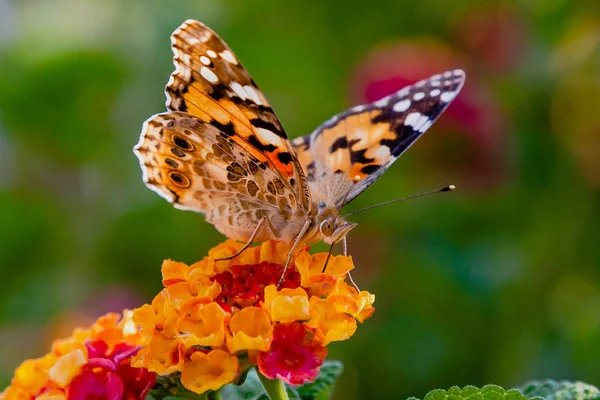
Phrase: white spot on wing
x=184 y=58
x=253 y=95
x=402 y=105
x=239 y=90
x=208 y=75
x=268 y=136
x=418 y=121
x=448 y=96
x=403 y=92
x=189 y=38
x=205 y=60
x=358 y=108
x=412 y=118
x=227 y=56
x=435 y=92
x=246 y=92
x=425 y=125
x=211 y=53
x=379 y=153
x=382 y=102
x=419 y=96
x=332 y=120
x=382 y=152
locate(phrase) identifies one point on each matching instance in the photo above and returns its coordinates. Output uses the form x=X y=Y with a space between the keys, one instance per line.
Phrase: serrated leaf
x=560 y=390
x=322 y=387
x=488 y=392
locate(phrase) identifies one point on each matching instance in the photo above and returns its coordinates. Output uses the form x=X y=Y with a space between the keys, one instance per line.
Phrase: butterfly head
x=332 y=227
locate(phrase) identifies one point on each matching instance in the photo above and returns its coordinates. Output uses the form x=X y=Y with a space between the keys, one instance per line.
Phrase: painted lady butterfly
x=220 y=149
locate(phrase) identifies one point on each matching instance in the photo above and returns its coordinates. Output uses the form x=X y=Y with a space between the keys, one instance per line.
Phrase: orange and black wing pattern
x=346 y=154
x=210 y=83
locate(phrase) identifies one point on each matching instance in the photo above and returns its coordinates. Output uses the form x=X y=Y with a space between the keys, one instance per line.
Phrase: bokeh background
x=498 y=282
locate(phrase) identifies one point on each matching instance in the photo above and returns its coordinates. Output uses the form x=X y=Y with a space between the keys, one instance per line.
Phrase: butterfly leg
x=345 y=250
x=248 y=243
x=328 y=257
x=292 y=249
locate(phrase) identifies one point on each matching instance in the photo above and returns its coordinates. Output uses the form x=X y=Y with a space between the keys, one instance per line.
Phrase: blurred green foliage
x=498 y=282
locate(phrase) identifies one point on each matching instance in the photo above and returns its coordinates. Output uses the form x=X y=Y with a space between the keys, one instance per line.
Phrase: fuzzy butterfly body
x=220 y=149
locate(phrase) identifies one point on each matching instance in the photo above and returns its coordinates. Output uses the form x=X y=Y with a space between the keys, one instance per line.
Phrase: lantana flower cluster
x=215 y=319
x=92 y=363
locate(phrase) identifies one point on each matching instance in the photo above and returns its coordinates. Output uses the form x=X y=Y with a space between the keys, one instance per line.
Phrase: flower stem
x=274 y=387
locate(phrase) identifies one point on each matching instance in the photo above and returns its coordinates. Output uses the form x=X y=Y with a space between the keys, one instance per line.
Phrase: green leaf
x=488 y=392
x=560 y=390
x=291 y=392
x=168 y=387
x=252 y=389
x=322 y=387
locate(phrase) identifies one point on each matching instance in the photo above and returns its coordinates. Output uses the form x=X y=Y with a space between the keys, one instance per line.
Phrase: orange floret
x=330 y=324
x=251 y=329
x=287 y=305
x=209 y=371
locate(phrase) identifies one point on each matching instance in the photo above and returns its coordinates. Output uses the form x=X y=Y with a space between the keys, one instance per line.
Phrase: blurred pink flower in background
x=105 y=299
x=34 y=339
x=495 y=37
x=470 y=137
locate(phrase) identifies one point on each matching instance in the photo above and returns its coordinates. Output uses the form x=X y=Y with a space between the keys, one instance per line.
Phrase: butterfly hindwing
x=346 y=154
x=196 y=166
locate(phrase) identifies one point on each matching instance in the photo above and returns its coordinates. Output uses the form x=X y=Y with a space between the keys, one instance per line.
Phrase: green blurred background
x=498 y=282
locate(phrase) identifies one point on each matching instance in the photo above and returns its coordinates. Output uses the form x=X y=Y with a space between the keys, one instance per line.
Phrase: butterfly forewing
x=221 y=150
x=210 y=83
x=349 y=152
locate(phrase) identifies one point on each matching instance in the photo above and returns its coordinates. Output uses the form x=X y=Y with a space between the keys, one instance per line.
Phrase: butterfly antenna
x=444 y=189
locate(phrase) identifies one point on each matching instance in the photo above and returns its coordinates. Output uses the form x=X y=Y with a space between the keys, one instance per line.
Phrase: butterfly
x=221 y=151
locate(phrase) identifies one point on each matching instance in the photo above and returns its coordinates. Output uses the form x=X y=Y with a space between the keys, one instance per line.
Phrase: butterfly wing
x=197 y=166
x=219 y=130
x=346 y=154
x=210 y=83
